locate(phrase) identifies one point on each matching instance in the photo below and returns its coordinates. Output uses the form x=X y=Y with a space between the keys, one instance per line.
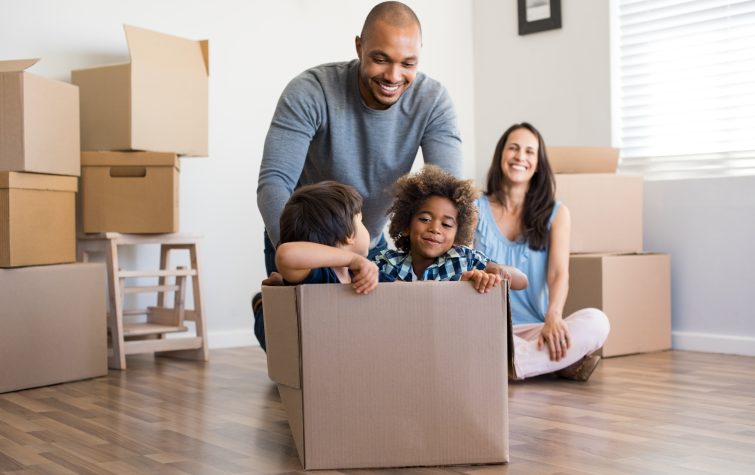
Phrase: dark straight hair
x=539 y=200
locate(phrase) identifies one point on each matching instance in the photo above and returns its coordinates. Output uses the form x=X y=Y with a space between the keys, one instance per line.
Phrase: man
x=360 y=123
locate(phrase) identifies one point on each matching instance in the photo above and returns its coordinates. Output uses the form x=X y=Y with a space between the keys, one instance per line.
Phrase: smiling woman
x=522 y=225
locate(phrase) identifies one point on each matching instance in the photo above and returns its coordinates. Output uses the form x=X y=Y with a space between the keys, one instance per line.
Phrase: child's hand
x=365 y=274
x=494 y=268
x=483 y=281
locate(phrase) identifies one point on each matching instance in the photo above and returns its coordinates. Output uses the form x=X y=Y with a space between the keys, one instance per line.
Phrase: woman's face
x=519 y=156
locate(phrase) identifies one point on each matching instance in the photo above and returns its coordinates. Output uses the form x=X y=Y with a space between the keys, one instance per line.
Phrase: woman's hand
x=483 y=281
x=555 y=336
x=365 y=273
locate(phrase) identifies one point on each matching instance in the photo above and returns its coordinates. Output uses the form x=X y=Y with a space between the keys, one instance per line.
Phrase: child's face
x=433 y=227
x=361 y=237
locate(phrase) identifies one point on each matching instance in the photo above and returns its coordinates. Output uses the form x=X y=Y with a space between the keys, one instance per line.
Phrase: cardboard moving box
x=37 y=219
x=129 y=192
x=39 y=122
x=52 y=325
x=156 y=102
x=634 y=291
x=606 y=208
x=409 y=375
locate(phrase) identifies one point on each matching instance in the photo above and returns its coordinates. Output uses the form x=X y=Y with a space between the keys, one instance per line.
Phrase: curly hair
x=414 y=189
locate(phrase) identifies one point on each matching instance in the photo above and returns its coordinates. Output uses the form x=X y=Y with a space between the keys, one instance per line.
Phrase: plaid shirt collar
x=449 y=266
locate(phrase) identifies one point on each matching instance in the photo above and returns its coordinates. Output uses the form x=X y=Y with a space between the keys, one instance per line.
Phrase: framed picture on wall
x=539 y=15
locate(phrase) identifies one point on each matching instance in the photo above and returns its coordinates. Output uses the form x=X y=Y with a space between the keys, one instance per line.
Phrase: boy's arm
x=295 y=260
x=517 y=278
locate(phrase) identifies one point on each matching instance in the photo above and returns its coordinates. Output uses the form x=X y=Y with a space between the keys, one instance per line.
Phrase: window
x=686 y=87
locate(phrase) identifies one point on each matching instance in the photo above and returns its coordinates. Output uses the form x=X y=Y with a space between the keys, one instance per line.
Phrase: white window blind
x=687 y=87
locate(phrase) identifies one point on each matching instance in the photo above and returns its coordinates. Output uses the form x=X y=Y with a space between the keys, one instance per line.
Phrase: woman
x=520 y=224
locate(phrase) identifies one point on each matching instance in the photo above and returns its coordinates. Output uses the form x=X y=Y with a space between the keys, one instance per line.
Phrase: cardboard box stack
x=137 y=118
x=39 y=166
x=608 y=268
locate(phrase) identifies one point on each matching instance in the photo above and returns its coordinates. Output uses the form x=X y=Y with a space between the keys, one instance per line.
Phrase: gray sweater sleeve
x=441 y=142
x=296 y=120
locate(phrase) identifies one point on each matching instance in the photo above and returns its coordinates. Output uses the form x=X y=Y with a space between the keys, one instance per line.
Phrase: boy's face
x=433 y=227
x=361 y=244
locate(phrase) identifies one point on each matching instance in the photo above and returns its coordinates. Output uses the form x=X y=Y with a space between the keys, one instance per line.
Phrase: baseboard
x=712 y=343
x=232 y=338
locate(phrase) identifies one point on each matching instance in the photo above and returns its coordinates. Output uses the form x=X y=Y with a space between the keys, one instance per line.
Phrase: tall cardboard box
x=606 y=208
x=634 y=291
x=39 y=122
x=409 y=375
x=52 y=325
x=129 y=192
x=156 y=102
x=37 y=219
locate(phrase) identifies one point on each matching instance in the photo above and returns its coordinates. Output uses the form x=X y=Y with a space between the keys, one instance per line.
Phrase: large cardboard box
x=39 y=122
x=606 y=208
x=129 y=192
x=52 y=325
x=156 y=102
x=409 y=375
x=634 y=291
x=37 y=219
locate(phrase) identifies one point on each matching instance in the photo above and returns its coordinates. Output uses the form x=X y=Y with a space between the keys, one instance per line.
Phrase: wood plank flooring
x=665 y=413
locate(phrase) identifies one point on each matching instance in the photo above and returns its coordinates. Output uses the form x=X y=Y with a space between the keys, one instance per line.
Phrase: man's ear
x=358 y=45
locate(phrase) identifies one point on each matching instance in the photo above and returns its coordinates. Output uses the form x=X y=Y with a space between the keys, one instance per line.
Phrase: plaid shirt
x=449 y=266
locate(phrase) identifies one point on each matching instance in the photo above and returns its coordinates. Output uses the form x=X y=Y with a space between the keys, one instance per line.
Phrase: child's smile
x=432 y=230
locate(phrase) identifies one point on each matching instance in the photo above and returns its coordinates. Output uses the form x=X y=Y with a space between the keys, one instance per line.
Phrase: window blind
x=686 y=87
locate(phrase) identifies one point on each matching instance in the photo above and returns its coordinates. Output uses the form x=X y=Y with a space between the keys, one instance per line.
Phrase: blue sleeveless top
x=528 y=305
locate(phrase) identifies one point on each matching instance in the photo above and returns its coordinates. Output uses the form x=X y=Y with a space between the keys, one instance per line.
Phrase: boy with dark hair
x=323 y=241
x=433 y=219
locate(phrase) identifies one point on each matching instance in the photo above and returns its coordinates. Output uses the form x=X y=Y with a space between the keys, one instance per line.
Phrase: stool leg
x=115 y=317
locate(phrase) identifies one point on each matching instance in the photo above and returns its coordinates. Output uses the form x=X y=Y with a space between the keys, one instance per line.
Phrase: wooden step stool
x=149 y=336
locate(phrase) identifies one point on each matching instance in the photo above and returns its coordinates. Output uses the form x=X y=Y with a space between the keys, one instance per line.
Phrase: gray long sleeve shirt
x=322 y=130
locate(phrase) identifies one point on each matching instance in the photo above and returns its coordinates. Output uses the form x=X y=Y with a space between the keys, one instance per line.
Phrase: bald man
x=360 y=123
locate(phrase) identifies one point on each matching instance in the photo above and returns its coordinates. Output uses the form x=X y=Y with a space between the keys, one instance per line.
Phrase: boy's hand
x=365 y=274
x=494 y=268
x=483 y=281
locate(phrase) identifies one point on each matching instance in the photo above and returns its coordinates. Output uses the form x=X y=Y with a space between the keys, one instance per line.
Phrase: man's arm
x=294 y=123
x=441 y=142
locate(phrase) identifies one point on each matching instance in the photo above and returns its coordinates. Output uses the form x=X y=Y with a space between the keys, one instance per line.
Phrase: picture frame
x=538 y=15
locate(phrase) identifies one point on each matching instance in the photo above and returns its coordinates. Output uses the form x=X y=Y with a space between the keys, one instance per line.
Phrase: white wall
x=558 y=80
x=707 y=225
x=256 y=47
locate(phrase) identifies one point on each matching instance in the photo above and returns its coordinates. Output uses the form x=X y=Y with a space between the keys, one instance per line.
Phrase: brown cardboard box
x=37 y=219
x=634 y=290
x=52 y=325
x=409 y=375
x=129 y=192
x=606 y=209
x=156 y=102
x=39 y=122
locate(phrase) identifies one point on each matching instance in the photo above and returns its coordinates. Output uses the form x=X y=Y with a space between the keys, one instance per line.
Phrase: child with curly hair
x=432 y=224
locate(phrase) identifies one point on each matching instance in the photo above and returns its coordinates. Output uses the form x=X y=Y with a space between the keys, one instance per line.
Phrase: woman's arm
x=555 y=334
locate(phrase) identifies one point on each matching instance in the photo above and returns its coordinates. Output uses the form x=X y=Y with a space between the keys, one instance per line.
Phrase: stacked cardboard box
x=51 y=316
x=608 y=268
x=136 y=119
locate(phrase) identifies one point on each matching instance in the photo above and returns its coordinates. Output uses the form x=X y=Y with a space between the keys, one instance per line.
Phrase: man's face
x=388 y=61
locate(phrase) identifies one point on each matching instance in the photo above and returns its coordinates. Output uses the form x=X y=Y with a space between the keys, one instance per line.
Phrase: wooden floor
x=664 y=413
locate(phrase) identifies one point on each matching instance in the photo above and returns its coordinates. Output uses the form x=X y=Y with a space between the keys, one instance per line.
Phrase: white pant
x=588 y=329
